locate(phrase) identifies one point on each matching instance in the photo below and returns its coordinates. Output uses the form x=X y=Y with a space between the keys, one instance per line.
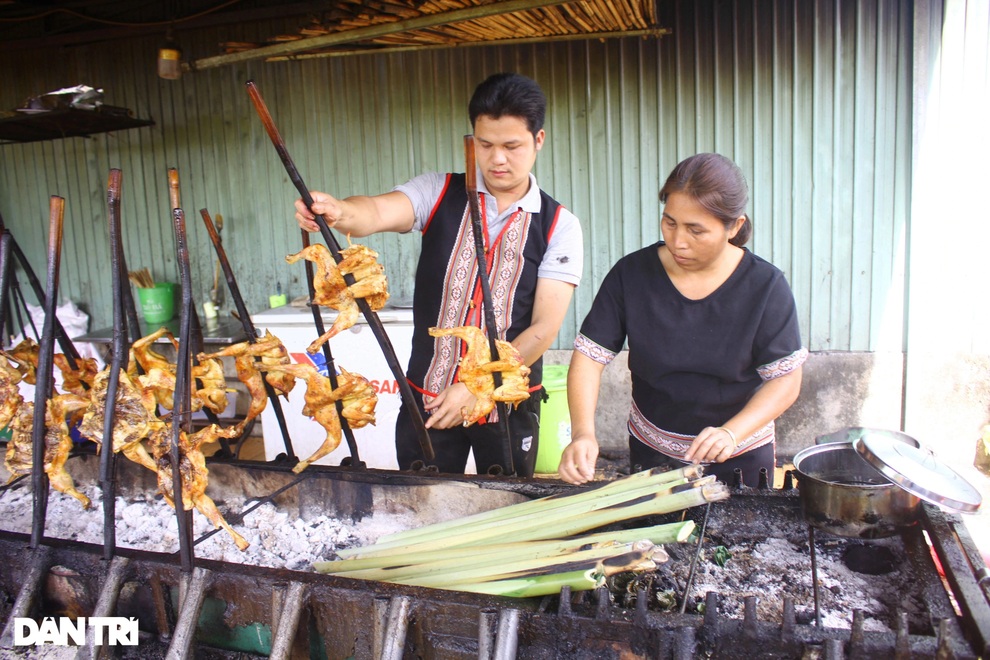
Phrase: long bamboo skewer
x=471 y=179
x=374 y=322
x=43 y=382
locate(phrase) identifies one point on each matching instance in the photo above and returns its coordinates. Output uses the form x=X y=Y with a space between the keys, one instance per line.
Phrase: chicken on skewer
x=209 y=386
x=477 y=367
x=79 y=380
x=10 y=394
x=192 y=467
x=25 y=356
x=58 y=443
x=332 y=291
x=248 y=358
x=355 y=393
x=134 y=417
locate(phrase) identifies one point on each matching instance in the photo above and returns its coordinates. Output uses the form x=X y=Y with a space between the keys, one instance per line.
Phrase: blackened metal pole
x=248 y=325
x=43 y=382
x=181 y=401
x=5 y=272
x=68 y=348
x=328 y=357
x=117 y=363
x=19 y=304
x=374 y=322
x=478 y=230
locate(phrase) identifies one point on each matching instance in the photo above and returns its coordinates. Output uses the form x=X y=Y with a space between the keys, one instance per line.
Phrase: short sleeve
x=423 y=191
x=777 y=350
x=603 y=331
x=564 y=258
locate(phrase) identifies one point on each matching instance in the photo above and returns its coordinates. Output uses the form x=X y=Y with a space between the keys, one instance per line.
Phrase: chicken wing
x=25 y=355
x=79 y=380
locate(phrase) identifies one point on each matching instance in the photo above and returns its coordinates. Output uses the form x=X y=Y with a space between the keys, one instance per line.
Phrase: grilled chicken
x=25 y=355
x=193 y=472
x=10 y=395
x=134 y=417
x=353 y=391
x=248 y=358
x=58 y=443
x=332 y=291
x=477 y=367
x=79 y=380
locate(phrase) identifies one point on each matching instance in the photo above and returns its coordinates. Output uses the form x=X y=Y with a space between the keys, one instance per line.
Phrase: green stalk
x=627 y=561
x=562 y=509
x=452 y=558
x=576 y=523
x=543 y=585
x=547 y=503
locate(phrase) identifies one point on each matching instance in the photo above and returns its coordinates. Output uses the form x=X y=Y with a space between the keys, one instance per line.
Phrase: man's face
x=506 y=152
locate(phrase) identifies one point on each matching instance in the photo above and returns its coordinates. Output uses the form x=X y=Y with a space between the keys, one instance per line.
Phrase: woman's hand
x=577 y=463
x=445 y=410
x=326 y=205
x=714 y=444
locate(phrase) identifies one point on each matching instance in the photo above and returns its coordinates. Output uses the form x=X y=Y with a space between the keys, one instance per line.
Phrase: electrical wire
x=63 y=10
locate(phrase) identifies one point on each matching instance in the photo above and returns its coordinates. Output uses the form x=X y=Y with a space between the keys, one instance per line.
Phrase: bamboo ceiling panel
x=471 y=22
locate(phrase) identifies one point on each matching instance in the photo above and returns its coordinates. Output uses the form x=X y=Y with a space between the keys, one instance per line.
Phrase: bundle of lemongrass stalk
x=537 y=547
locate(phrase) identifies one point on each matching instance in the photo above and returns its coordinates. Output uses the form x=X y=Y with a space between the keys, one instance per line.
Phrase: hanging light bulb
x=169 y=58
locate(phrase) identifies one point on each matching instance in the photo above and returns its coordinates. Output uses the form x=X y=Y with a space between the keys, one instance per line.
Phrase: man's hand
x=326 y=205
x=445 y=410
x=577 y=463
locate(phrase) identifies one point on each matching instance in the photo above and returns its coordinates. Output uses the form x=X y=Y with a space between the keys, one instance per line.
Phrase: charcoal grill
x=206 y=612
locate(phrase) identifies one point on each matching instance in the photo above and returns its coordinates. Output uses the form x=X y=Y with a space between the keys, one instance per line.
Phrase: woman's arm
x=584 y=378
x=773 y=397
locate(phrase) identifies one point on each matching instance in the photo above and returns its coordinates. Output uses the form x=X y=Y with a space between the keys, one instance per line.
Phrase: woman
x=714 y=346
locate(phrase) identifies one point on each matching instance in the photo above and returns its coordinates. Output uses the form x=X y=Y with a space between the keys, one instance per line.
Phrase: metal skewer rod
x=6 y=270
x=374 y=322
x=196 y=330
x=345 y=427
x=181 y=396
x=43 y=374
x=478 y=229
x=68 y=348
x=117 y=362
x=247 y=324
x=697 y=556
x=19 y=304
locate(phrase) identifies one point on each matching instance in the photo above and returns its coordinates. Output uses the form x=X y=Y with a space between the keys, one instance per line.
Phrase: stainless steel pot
x=844 y=495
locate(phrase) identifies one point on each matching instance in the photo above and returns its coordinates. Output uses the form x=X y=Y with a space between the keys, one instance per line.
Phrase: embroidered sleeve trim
x=590 y=349
x=783 y=366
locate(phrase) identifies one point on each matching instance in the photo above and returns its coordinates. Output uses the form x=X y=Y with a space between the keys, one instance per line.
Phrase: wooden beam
x=655 y=32
x=371 y=32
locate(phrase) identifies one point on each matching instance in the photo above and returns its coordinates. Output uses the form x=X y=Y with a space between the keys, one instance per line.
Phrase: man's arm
x=553 y=297
x=359 y=216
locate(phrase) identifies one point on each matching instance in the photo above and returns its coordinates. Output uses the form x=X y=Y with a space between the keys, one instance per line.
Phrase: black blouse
x=694 y=363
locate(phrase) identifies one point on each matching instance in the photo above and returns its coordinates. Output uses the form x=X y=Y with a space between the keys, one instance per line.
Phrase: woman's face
x=695 y=238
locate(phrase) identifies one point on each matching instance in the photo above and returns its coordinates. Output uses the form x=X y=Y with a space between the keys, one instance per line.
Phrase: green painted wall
x=813 y=100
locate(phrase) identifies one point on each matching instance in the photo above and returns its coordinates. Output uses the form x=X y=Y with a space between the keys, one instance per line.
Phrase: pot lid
x=916 y=470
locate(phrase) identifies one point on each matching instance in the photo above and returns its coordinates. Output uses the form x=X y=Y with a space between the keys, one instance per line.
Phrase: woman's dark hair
x=512 y=95
x=718 y=185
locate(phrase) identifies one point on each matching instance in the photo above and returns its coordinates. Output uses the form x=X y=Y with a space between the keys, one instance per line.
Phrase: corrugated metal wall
x=812 y=99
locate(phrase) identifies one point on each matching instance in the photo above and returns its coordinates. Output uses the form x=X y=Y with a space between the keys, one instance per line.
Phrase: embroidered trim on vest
x=783 y=366
x=676 y=445
x=590 y=349
x=459 y=288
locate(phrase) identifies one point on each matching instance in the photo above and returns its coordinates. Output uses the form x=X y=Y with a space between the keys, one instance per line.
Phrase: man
x=535 y=256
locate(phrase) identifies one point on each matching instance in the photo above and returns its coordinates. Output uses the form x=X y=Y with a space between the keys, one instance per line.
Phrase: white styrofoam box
x=357 y=351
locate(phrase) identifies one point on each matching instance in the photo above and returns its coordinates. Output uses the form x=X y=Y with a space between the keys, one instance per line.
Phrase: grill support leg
x=288 y=620
x=191 y=602
x=507 y=641
x=105 y=606
x=395 y=630
x=28 y=595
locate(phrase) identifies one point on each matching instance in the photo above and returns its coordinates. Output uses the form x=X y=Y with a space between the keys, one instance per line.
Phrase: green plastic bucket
x=158 y=304
x=555 y=420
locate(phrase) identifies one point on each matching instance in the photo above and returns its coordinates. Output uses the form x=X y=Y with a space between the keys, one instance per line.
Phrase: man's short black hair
x=512 y=95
